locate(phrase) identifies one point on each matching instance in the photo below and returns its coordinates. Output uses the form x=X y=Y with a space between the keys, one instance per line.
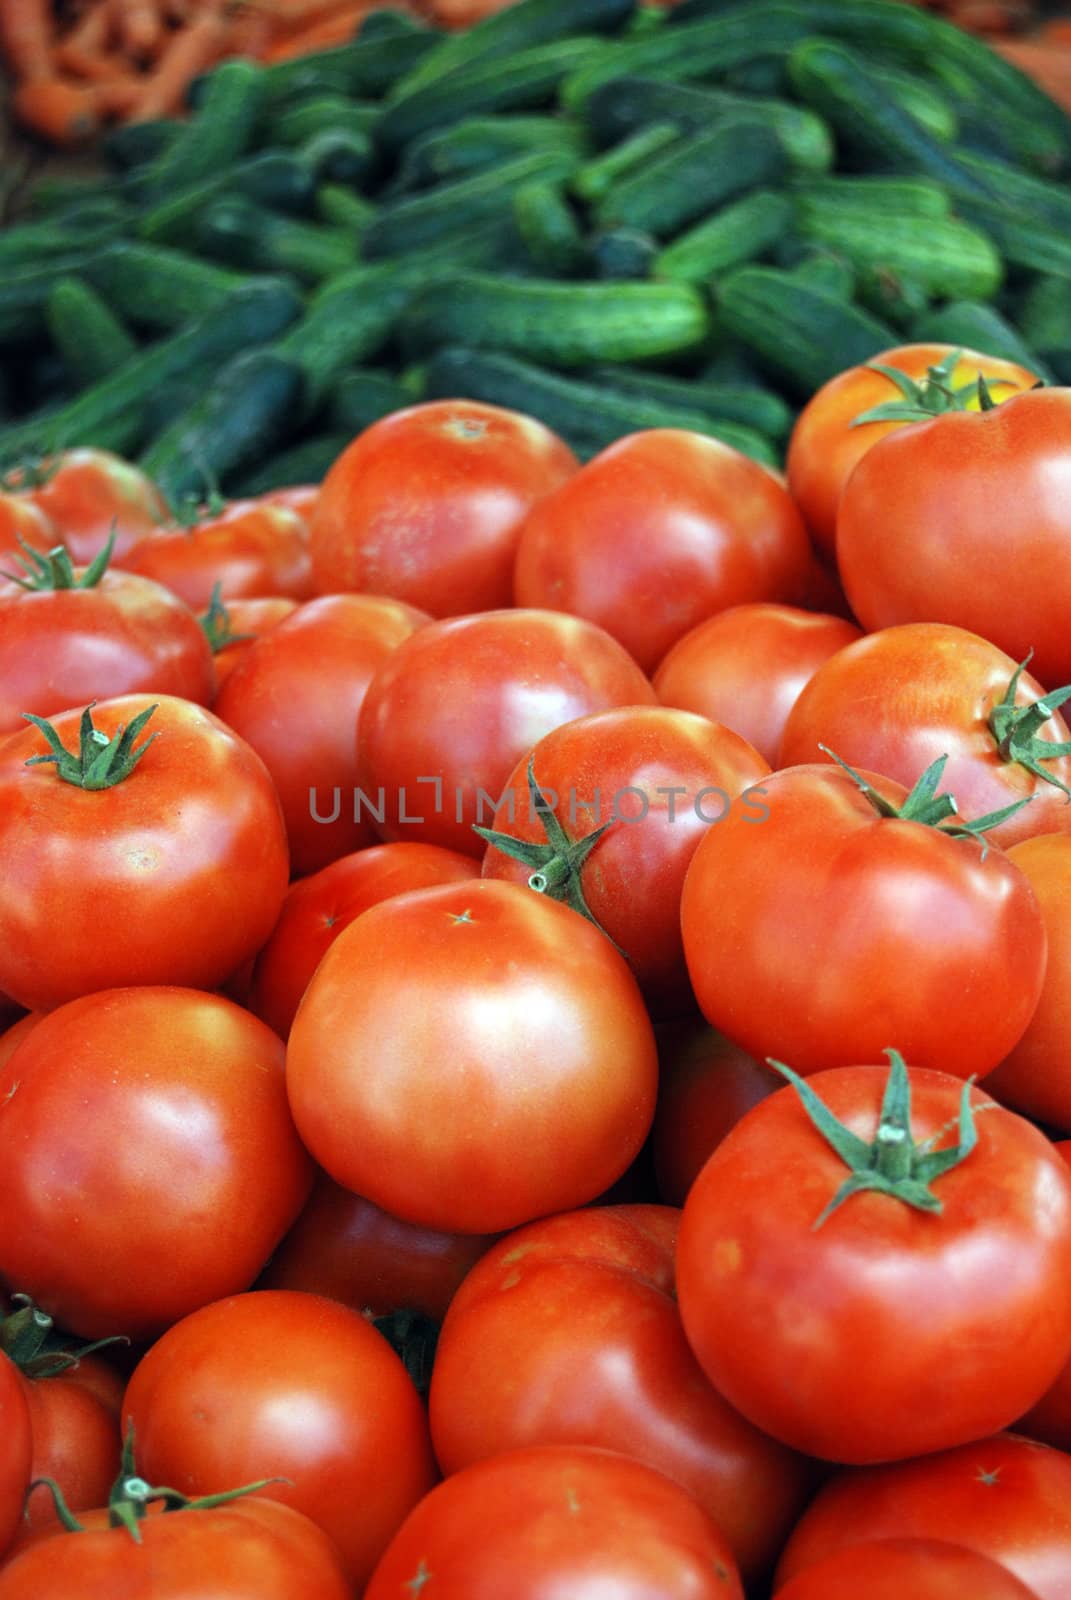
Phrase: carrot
x=187 y=53
x=26 y=37
x=1057 y=32
x=140 y=26
x=80 y=49
x=62 y=112
x=252 y=33
x=119 y=94
x=336 y=29
x=1050 y=69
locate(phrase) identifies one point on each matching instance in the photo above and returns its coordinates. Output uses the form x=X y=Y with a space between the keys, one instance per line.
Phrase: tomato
x=656 y=533
x=21 y=523
x=174 y=1169
x=557 y=1520
x=650 y=781
x=299 y=497
x=173 y=875
x=850 y=931
x=249 y=548
x=825 y=445
x=295 y=697
x=451 y=712
x=896 y=700
x=746 y=666
x=426 y=505
x=1035 y=1077
x=345 y=1247
x=89 y=494
x=472 y=1056
x=931 y=1272
x=288 y=1385
x=889 y=1569
x=13 y=1036
x=577 y=1314
x=1050 y=1419
x=318 y=908
x=1006 y=1498
x=242 y=621
x=62 y=643
x=928 y=518
x=705 y=1085
x=17 y=1452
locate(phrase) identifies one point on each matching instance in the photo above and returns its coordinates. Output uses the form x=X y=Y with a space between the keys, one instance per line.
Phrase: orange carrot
x=26 y=37
x=119 y=94
x=186 y=54
x=1050 y=68
x=80 y=49
x=336 y=29
x=55 y=109
x=252 y=33
x=140 y=26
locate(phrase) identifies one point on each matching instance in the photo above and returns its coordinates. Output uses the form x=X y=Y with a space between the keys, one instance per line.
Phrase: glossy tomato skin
x=74 y=1421
x=295 y=698
x=746 y=666
x=92 y=493
x=249 y=549
x=981 y=1288
x=125 y=635
x=17 y=1453
x=656 y=779
x=23 y=522
x=929 y=515
x=554 y=1520
x=1034 y=1078
x=318 y=908
x=931 y=944
x=161 y=1116
x=174 y=875
x=1005 y=1497
x=426 y=505
x=472 y=1056
x=898 y=699
x=299 y=497
x=13 y=1036
x=251 y=1547
x=577 y=1313
x=1050 y=1419
x=249 y=620
x=282 y=1384
x=659 y=531
x=825 y=446
x=889 y=1569
x=451 y=712
x=345 y=1247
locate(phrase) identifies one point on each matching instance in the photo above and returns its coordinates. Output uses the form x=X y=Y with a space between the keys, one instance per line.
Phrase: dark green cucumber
x=972 y=326
x=922 y=102
x=345 y=322
x=989 y=178
x=477 y=143
x=306 y=462
x=800 y=333
x=217 y=136
x=587 y=415
x=619 y=254
x=244 y=414
x=24 y=294
x=86 y=332
x=562 y=324
x=156 y=287
x=549 y=229
x=817 y=198
x=362 y=70
x=691 y=177
x=746 y=404
x=276 y=179
x=1027 y=243
x=323 y=113
x=362 y=397
x=25 y=245
x=339 y=207
x=945 y=258
x=133 y=145
x=828 y=273
x=244 y=235
x=340 y=155
x=741 y=231
x=593 y=180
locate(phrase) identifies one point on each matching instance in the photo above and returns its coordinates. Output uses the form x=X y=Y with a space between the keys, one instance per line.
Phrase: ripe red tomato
x=472 y=1056
x=1050 y=1419
x=825 y=446
x=250 y=549
x=1006 y=1498
x=426 y=505
x=558 y=1520
x=288 y=1385
x=929 y=515
x=173 y=875
x=662 y=529
x=13 y=1036
x=61 y=646
x=17 y=1452
x=746 y=666
x=650 y=781
x=827 y=932
x=295 y=697
x=174 y=1168
x=952 y=1265
x=889 y=1569
x=318 y=908
x=299 y=497
x=450 y=713
x=577 y=1314
x=89 y=494
x=242 y=622
x=23 y=522
x=896 y=700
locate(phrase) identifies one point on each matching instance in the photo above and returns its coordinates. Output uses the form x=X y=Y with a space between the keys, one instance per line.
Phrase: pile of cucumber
x=607 y=215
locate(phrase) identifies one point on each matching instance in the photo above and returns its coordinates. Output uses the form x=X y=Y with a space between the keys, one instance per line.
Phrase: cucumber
x=698 y=172
x=133 y=145
x=1025 y=243
x=751 y=406
x=362 y=70
x=26 y=245
x=362 y=397
x=739 y=232
x=24 y=294
x=238 y=422
x=477 y=143
x=972 y=326
x=819 y=198
x=587 y=416
x=920 y=100
x=217 y=136
x=156 y=287
x=822 y=270
x=87 y=334
x=549 y=229
x=306 y=462
x=340 y=155
x=272 y=178
x=60 y=198
x=324 y=113
x=593 y=180
x=244 y=235
x=339 y=207
x=346 y=321
x=800 y=333
x=561 y=324
x=623 y=253
x=945 y=258
x=988 y=178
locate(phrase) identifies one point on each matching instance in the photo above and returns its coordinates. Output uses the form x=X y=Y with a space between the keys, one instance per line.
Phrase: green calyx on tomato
x=53 y=569
x=934 y=395
x=101 y=762
x=216 y=623
x=194 y=508
x=925 y=805
x=556 y=865
x=26 y=1339
x=893 y=1164
x=1015 y=729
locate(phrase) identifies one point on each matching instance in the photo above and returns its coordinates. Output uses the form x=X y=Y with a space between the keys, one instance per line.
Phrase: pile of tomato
x=538 y=1014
